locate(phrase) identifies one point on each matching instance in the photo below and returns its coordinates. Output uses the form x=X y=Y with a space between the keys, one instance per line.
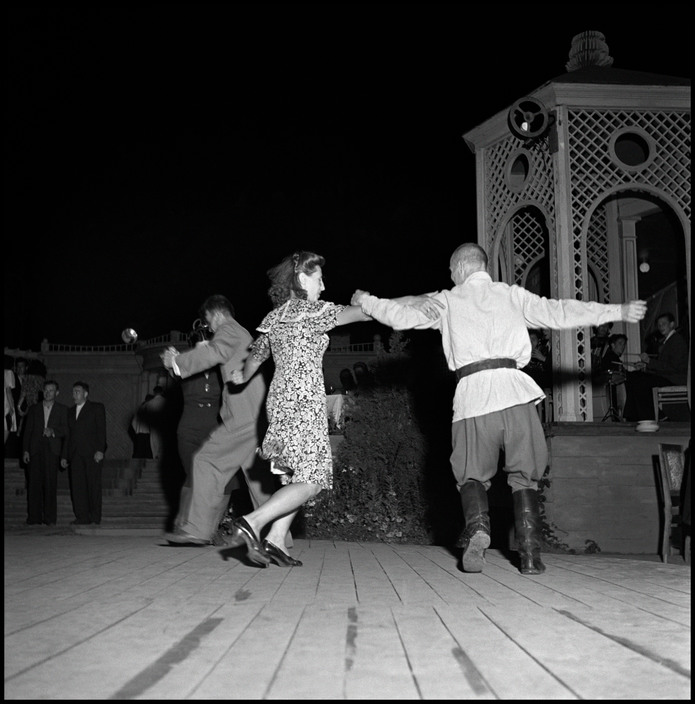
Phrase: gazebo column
x=630 y=288
x=566 y=392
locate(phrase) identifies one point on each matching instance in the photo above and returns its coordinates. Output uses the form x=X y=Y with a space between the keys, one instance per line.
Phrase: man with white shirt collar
x=44 y=431
x=668 y=368
x=83 y=452
x=484 y=327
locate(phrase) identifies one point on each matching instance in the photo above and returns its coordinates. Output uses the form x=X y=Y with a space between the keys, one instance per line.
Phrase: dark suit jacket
x=86 y=434
x=33 y=428
x=672 y=361
x=228 y=348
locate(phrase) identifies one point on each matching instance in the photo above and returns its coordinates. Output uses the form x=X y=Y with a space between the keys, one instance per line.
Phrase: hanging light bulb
x=644 y=267
x=129 y=336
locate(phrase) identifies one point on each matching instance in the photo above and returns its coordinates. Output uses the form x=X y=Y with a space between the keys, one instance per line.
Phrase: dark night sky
x=157 y=155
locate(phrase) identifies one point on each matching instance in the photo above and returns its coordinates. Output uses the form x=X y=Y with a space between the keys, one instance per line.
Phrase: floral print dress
x=297 y=440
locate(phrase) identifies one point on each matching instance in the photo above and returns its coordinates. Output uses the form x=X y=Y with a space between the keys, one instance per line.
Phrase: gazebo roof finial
x=588 y=49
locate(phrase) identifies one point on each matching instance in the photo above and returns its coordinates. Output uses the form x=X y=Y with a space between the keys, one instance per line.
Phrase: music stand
x=613 y=411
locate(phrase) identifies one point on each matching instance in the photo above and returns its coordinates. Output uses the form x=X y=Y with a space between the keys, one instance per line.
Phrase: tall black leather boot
x=527 y=524
x=476 y=535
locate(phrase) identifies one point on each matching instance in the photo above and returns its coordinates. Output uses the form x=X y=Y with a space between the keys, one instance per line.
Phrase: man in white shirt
x=484 y=327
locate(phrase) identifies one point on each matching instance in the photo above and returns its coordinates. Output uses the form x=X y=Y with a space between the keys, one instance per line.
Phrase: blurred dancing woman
x=296 y=442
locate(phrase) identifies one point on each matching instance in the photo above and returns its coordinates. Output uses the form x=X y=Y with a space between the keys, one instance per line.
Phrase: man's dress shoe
x=180 y=537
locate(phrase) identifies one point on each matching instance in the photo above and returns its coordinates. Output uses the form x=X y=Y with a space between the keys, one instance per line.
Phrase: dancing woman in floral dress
x=294 y=334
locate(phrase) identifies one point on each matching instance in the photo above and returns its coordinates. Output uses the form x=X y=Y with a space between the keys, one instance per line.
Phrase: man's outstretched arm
x=405 y=313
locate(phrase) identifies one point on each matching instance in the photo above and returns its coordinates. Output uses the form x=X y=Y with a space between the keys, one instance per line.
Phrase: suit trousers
x=42 y=485
x=214 y=466
x=85 y=488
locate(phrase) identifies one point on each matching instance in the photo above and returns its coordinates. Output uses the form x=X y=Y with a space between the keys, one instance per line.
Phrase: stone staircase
x=133 y=498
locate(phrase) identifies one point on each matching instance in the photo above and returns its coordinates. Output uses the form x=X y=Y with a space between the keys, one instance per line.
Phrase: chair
x=671 y=466
x=668 y=394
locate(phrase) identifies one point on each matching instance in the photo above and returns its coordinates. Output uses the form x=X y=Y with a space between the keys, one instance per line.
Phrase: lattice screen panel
x=500 y=199
x=594 y=170
x=528 y=241
x=597 y=252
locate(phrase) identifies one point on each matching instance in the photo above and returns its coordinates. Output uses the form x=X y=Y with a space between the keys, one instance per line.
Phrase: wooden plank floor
x=128 y=617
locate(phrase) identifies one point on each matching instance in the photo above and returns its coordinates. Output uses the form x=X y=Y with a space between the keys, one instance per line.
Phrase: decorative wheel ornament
x=528 y=118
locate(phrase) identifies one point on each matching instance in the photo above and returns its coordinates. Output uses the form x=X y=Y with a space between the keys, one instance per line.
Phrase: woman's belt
x=468 y=369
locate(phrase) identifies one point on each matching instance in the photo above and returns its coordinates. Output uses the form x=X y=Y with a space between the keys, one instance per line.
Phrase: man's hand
x=237 y=377
x=98 y=456
x=431 y=307
x=26 y=457
x=633 y=311
x=64 y=463
x=167 y=357
x=357 y=297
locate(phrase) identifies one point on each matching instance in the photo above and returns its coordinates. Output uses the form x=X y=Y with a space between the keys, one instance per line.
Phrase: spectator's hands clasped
x=634 y=311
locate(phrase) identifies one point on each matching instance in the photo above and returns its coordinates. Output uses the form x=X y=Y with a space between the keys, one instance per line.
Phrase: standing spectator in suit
x=13 y=444
x=10 y=412
x=83 y=452
x=232 y=445
x=669 y=368
x=46 y=426
x=20 y=372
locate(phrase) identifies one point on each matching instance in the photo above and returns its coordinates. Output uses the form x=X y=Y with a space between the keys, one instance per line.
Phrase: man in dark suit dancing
x=45 y=427
x=83 y=452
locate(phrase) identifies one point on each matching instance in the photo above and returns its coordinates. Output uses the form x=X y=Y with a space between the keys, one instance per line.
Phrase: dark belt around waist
x=468 y=369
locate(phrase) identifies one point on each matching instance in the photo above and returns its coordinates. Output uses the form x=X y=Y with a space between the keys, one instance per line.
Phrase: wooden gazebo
x=565 y=176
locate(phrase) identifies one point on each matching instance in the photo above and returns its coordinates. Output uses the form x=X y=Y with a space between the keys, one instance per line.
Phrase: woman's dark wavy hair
x=284 y=278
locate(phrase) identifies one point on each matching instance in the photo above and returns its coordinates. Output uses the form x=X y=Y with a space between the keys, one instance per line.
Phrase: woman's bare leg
x=283 y=504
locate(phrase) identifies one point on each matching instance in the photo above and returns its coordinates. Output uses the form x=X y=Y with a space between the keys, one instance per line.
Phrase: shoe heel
x=253 y=550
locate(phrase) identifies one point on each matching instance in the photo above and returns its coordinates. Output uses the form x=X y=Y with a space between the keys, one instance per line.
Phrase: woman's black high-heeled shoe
x=254 y=551
x=279 y=557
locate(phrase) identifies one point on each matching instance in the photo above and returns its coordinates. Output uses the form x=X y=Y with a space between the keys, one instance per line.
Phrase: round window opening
x=632 y=150
x=518 y=171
